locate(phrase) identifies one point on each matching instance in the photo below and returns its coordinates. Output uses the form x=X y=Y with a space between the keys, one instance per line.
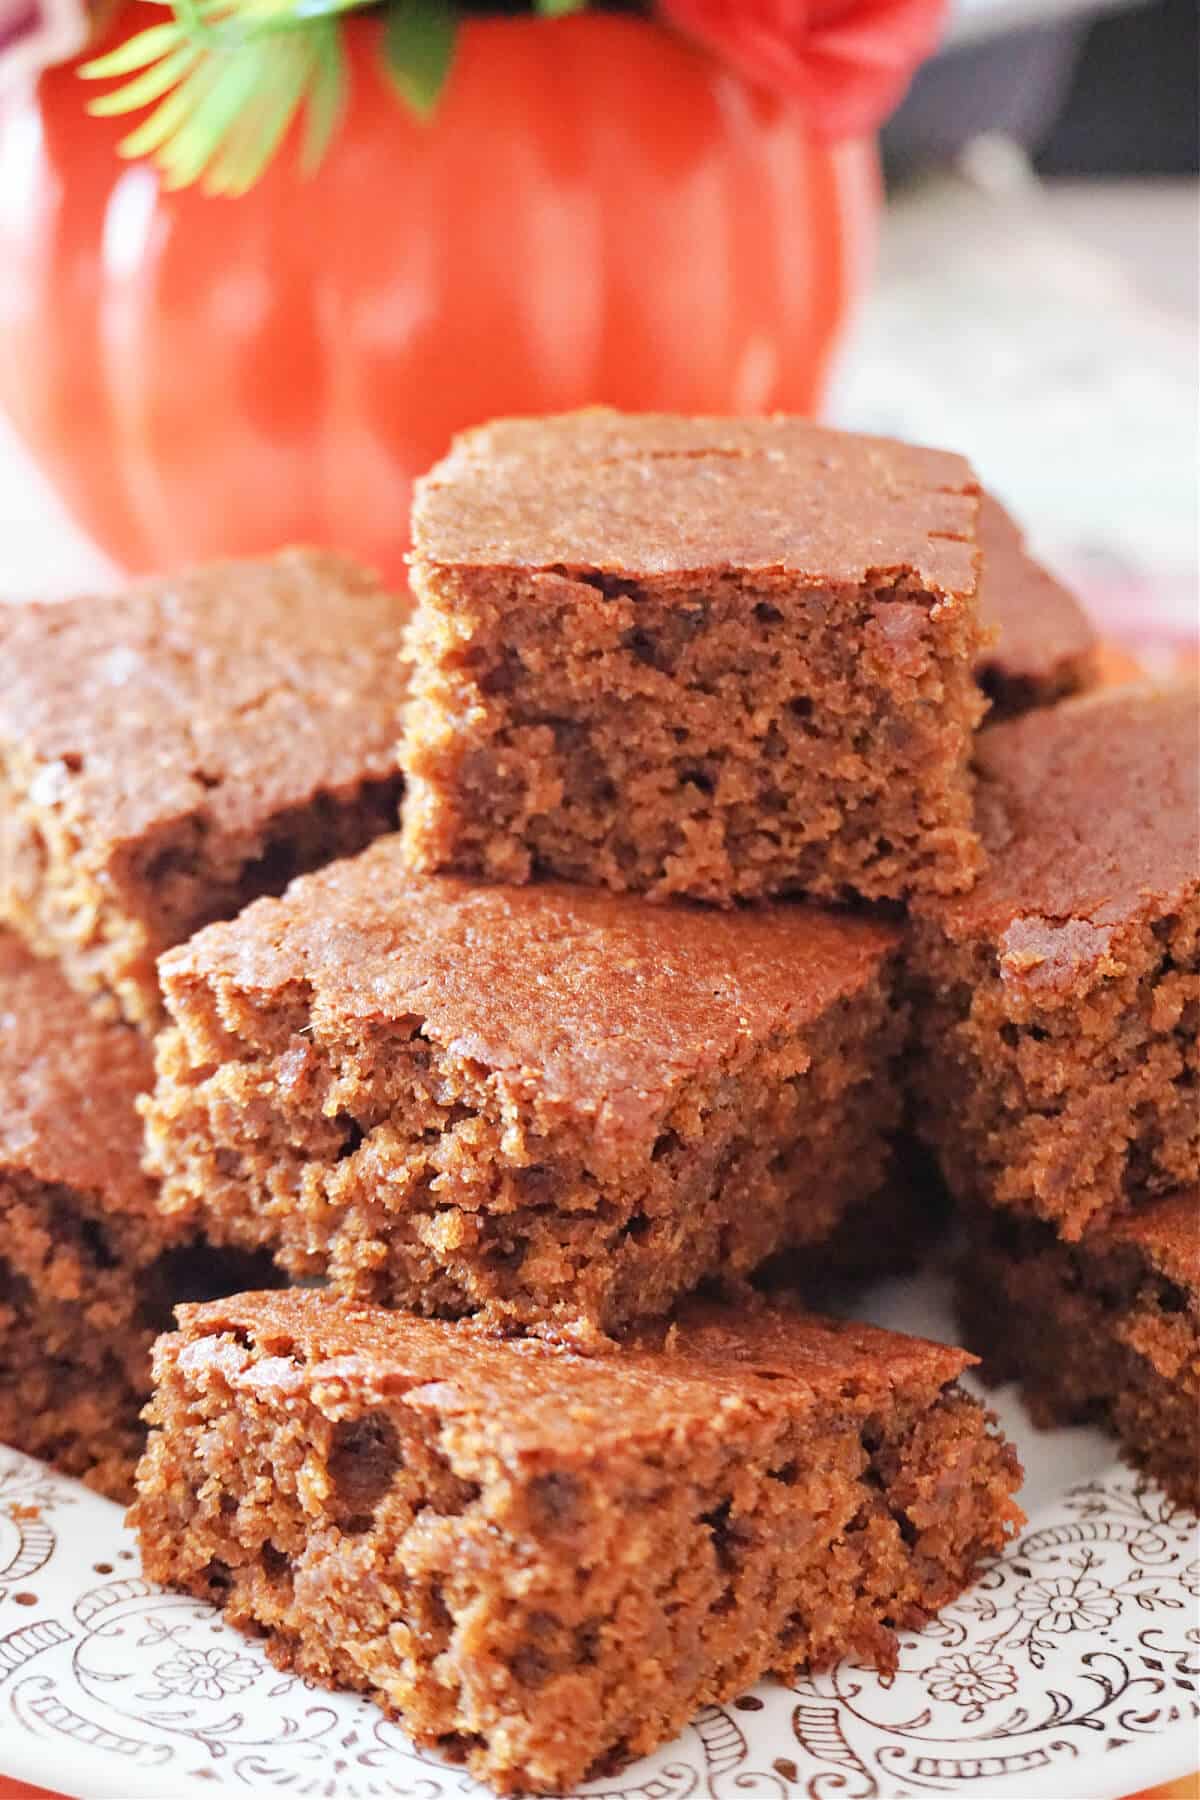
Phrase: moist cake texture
x=547 y=1104
x=1107 y=1330
x=901 y=1228
x=1044 y=647
x=1058 y=1004
x=709 y=657
x=169 y=753
x=88 y=1266
x=78 y=1224
x=543 y=1562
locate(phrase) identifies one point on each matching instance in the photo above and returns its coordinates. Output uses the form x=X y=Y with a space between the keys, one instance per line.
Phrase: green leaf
x=150 y=85
x=146 y=47
x=225 y=79
x=237 y=77
x=170 y=118
x=326 y=97
x=418 y=49
x=193 y=14
x=260 y=129
x=557 y=9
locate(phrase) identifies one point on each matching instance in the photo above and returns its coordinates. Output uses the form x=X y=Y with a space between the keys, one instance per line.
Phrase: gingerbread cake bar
x=547 y=1104
x=545 y=1563
x=169 y=753
x=1106 y=1330
x=88 y=1267
x=1058 y=1004
x=1043 y=646
x=710 y=657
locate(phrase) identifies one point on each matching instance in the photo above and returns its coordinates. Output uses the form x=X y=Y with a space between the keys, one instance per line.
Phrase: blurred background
x=1036 y=297
x=597 y=210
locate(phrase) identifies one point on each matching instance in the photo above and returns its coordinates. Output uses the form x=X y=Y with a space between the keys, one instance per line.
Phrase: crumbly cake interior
x=900 y=1229
x=1094 y=1334
x=399 y=1168
x=74 y=1354
x=491 y=1594
x=107 y=912
x=82 y=1296
x=83 y=1417
x=1074 y=1100
x=724 y=739
x=1058 y=1003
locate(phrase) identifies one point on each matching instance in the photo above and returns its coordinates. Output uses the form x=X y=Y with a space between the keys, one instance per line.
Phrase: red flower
x=848 y=62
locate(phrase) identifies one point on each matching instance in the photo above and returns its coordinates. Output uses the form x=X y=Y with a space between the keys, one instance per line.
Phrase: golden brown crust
x=650 y=493
x=1045 y=647
x=511 y=1391
x=1088 y=812
x=235 y=690
x=168 y=753
x=598 y=999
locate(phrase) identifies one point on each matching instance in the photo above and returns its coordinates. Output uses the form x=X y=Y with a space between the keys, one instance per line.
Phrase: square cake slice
x=169 y=753
x=549 y=1104
x=719 y=658
x=545 y=1563
x=1044 y=647
x=88 y=1267
x=1059 y=1002
x=1106 y=1330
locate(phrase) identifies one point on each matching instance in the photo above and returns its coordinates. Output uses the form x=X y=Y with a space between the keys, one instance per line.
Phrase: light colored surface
x=971 y=21
x=1151 y=229
x=1032 y=328
x=1066 y=1673
x=34 y=36
x=41 y=551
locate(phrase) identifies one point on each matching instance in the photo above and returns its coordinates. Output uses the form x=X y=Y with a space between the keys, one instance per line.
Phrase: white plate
x=1069 y=1672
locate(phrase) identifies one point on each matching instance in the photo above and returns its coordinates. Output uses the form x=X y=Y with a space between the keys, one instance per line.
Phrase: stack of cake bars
x=693 y=897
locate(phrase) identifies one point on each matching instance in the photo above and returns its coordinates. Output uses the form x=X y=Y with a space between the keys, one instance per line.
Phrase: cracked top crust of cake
x=1041 y=630
x=68 y=1086
x=235 y=690
x=660 y=495
x=596 y=1000
x=1090 y=814
x=526 y=1394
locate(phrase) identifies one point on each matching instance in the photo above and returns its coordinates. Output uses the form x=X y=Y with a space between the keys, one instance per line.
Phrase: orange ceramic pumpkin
x=597 y=212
